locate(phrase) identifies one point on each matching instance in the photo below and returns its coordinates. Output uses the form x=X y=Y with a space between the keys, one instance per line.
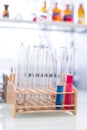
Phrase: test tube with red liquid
x=68 y=88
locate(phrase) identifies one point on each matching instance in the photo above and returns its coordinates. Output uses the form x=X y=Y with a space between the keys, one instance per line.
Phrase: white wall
x=10 y=39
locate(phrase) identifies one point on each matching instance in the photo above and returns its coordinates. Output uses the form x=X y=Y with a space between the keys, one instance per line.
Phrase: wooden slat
x=40 y=91
x=43 y=111
x=40 y=100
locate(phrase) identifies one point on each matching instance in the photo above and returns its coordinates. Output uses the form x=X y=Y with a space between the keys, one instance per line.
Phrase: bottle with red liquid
x=68 y=14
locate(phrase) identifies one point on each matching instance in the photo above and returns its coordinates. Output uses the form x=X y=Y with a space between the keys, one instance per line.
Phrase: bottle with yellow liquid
x=81 y=14
x=44 y=10
x=56 y=13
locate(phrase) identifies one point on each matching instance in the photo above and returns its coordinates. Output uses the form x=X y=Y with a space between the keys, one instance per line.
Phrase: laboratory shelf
x=42 y=24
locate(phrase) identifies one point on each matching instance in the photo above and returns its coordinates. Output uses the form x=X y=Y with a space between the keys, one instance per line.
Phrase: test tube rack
x=38 y=100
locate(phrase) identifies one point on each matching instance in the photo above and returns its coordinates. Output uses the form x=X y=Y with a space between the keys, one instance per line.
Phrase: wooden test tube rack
x=38 y=100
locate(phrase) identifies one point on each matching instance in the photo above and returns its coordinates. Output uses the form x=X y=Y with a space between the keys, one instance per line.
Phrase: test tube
x=61 y=64
x=59 y=97
x=21 y=73
x=69 y=76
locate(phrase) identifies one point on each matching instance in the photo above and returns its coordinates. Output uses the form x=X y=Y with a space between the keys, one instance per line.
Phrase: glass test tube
x=59 y=97
x=69 y=76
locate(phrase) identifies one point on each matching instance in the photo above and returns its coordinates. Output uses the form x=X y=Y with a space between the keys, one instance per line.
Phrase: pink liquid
x=69 y=79
x=68 y=97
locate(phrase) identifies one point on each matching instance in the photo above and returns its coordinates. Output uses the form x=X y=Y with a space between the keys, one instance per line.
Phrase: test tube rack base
x=38 y=100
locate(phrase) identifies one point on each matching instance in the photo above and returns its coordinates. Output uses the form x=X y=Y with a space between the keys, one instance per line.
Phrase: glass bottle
x=6 y=12
x=68 y=14
x=81 y=14
x=44 y=10
x=56 y=13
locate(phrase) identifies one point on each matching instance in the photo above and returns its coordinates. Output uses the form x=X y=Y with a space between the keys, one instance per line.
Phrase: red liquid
x=68 y=97
x=69 y=79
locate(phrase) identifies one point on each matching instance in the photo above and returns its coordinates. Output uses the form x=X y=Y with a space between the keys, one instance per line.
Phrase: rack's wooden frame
x=12 y=91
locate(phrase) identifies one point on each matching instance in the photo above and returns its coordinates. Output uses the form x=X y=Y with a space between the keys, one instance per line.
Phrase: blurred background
x=12 y=35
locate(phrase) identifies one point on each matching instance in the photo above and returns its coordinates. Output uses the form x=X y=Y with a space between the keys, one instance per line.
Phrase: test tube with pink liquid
x=68 y=88
x=69 y=78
